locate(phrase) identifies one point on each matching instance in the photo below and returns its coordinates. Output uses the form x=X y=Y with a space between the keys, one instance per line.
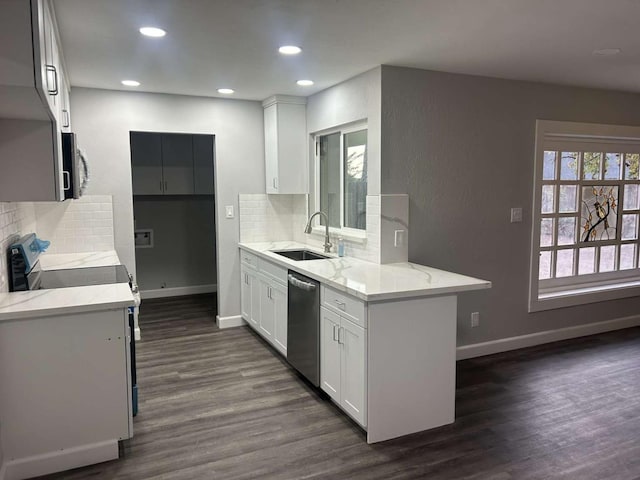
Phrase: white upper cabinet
x=34 y=102
x=31 y=65
x=286 y=145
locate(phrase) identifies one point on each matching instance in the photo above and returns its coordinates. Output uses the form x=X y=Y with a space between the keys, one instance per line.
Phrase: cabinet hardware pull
x=340 y=329
x=340 y=304
x=66 y=176
x=335 y=335
x=52 y=91
x=66 y=117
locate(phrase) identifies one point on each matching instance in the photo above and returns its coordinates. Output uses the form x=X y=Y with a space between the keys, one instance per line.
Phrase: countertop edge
x=63 y=310
x=477 y=284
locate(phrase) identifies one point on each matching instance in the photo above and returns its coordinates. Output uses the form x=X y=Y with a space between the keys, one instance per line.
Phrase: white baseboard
x=228 y=322
x=548 y=336
x=178 y=291
x=61 y=460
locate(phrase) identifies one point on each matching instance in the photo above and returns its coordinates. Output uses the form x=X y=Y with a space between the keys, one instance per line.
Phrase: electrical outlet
x=398 y=240
x=475 y=319
x=516 y=215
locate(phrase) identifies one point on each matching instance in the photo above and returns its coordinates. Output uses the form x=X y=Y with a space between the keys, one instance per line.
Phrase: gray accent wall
x=183 y=254
x=462 y=147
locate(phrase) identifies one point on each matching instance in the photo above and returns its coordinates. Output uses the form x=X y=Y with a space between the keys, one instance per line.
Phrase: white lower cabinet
x=250 y=296
x=343 y=363
x=279 y=297
x=273 y=313
x=264 y=303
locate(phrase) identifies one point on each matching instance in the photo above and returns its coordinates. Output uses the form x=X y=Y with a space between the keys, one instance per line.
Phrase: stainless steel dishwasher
x=303 y=326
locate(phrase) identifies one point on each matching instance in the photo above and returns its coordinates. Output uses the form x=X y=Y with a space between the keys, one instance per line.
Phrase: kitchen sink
x=301 y=255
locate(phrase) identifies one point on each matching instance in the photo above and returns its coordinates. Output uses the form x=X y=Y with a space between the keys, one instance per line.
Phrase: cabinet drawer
x=346 y=305
x=248 y=259
x=271 y=270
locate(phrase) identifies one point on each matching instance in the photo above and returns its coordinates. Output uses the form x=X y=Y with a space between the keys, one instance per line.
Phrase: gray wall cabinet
x=171 y=163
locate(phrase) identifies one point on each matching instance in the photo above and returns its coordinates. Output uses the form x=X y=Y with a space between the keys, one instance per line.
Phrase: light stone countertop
x=60 y=261
x=369 y=281
x=61 y=301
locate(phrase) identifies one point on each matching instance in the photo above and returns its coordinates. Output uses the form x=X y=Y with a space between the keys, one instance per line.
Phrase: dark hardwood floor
x=220 y=404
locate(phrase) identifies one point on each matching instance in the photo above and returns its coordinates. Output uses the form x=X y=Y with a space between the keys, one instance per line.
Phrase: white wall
x=103 y=118
x=462 y=147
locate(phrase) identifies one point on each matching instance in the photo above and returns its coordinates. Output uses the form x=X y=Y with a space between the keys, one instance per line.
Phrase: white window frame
x=582 y=289
x=353 y=234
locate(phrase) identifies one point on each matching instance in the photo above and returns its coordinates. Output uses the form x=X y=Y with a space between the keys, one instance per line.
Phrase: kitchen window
x=341 y=178
x=586 y=214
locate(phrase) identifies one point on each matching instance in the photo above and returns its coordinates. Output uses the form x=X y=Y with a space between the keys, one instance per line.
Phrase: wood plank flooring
x=220 y=404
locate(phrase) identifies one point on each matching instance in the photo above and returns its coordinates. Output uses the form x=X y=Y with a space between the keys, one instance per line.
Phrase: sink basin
x=301 y=255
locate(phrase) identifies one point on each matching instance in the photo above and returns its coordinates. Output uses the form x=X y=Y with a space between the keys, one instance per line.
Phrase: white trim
x=60 y=460
x=178 y=291
x=548 y=336
x=290 y=99
x=229 y=322
x=548 y=134
x=351 y=127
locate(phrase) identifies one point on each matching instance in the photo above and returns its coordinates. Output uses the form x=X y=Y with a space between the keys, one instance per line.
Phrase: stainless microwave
x=74 y=167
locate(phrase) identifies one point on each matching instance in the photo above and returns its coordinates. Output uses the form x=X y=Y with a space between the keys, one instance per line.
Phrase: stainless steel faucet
x=307 y=229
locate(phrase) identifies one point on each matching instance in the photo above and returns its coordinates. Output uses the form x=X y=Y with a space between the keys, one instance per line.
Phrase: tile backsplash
x=270 y=218
x=15 y=219
x=83 y=225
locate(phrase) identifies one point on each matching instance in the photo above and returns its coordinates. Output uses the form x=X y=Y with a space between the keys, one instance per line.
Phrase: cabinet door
x=51 y=65
x=256 y=313
x=64 y=118
x=203 y=155
x=271 y=148
x=177 y=164
x=146 y=163
x=329 y=354
x=245 y=295
x=352 y=365
x=267 y=310
x=279 y=294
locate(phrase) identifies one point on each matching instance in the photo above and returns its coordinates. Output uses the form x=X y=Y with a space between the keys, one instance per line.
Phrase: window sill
x=352 y=236
x=572 y=296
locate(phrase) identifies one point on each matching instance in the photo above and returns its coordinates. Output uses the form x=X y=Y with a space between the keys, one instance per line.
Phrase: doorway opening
x=174 y=213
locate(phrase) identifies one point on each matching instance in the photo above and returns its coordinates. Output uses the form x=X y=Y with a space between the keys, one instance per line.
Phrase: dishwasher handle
x=296 y=282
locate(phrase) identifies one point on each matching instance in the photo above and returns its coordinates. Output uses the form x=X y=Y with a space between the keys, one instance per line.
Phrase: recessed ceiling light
x=152 y=32
x=131 y=83
x=289 y=50
x=604 y=52
x=305 y=83
x=226 y=91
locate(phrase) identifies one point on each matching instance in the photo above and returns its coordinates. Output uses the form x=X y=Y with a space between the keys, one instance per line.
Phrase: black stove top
x=77 y=277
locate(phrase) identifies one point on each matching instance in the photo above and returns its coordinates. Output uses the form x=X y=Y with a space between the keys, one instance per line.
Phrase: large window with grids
x=587 y=214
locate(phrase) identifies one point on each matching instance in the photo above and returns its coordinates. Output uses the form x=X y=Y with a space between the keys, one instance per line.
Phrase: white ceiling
x=233 y=43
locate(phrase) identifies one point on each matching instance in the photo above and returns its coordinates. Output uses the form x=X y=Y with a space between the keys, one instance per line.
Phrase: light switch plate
x=516 y=215
x=229 y=211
